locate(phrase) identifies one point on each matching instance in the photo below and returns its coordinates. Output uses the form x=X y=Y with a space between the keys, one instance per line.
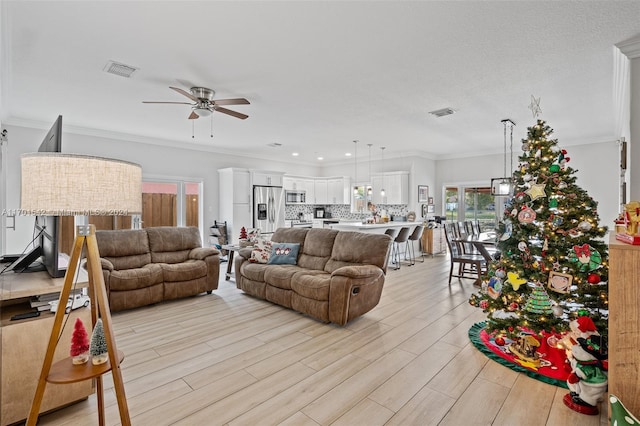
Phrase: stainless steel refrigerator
x=268 y=208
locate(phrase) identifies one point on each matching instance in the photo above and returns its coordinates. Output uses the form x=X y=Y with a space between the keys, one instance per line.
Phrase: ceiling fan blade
x=236 y=114
x=161 y=102
x=185 y=93
x=193 y=115
x=236 y=101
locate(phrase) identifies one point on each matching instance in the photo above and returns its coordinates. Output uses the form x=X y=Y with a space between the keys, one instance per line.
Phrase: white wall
x=596 y=165
x=155 y=161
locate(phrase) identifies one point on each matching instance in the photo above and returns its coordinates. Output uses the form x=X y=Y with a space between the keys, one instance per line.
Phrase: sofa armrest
x=200 y=253
x=245 y=252
x=353 y=291
x=357 y=271
x=105 y=264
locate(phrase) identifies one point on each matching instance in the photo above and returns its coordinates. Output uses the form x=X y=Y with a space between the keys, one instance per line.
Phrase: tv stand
x=24 y=344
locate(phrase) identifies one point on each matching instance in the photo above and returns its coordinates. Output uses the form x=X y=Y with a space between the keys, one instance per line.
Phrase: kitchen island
x=373 y=228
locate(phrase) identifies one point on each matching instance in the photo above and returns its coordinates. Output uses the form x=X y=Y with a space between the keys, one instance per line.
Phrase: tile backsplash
x=342 y=211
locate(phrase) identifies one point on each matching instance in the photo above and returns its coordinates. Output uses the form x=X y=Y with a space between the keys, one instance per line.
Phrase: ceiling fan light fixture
x=202 y=112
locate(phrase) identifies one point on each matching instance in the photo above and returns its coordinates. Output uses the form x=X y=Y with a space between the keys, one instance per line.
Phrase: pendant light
x=382 y=189
x=355 y=168
x=369 y=188
x=502 y=187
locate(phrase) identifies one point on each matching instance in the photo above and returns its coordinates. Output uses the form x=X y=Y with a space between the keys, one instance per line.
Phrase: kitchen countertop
x=372 y=227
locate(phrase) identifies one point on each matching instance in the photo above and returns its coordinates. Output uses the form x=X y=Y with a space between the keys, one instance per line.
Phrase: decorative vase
x=100 y=359
x=80 y=359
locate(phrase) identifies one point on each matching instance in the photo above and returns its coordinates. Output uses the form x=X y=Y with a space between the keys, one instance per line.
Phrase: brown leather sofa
x=145 y=266
x=339 y=275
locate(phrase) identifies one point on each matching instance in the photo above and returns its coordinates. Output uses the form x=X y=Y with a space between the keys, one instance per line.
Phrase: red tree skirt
x=553 y=370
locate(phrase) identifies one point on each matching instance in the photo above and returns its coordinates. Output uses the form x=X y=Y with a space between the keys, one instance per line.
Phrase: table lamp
x=56 y=184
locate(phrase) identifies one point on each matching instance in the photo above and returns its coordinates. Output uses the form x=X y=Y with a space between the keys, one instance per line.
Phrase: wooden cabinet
x=624 y=323
x=24 y=345
x=433 y=241
x=395 y=185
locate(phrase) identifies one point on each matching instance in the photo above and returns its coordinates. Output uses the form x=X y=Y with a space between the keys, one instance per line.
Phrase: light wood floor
x=230 y=359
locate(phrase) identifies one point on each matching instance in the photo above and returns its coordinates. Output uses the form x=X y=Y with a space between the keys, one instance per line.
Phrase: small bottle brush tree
x=549 y=239
x=79 y=343
x=98 y=348
x=243 y=233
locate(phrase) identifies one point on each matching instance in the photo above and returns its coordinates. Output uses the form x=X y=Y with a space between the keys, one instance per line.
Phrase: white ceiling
x=318 y=74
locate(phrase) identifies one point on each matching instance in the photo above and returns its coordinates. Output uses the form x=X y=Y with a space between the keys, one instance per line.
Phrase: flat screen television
x=47 y=228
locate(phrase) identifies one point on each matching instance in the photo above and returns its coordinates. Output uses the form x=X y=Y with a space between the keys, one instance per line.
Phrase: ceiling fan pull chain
x=192 y=130
x=212 y=125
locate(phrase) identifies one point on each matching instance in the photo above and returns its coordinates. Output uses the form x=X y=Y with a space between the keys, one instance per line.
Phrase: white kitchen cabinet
x=396 y=187
x=338 y=191
x=321 y=191
x=289 y=183
x=266 y=178
x=235 y=201
x=309 y=187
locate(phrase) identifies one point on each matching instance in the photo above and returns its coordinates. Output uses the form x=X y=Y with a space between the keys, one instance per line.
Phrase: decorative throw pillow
x=284 y=253
x=261 y=252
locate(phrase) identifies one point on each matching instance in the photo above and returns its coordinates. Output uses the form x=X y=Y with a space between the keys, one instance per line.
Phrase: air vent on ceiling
x=119 y=69
x=442 y=112
x=274 y=145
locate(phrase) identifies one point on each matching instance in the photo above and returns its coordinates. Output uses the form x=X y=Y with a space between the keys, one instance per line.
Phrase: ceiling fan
x=204 y=105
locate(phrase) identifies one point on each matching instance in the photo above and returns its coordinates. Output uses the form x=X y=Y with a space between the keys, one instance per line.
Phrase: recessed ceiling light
x=295 y=154
x=320 y=158
x=347 y=154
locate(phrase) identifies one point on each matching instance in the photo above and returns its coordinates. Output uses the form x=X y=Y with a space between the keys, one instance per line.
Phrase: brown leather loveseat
x=145 y=266
x=338 y=275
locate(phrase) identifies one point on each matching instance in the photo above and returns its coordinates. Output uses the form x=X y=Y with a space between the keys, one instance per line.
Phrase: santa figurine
x=588 y=379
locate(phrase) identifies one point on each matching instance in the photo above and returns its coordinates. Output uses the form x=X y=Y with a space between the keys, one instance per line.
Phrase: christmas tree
x=79 y=342
x=553 y=264
x=98 y=347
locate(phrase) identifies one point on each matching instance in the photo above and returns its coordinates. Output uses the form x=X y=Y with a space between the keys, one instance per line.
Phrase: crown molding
x=631 y=47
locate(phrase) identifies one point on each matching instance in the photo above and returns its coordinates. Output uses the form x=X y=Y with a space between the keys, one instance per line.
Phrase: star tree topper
x=535 y=107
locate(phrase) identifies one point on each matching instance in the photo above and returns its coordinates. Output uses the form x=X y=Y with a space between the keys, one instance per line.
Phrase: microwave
x=295 y=197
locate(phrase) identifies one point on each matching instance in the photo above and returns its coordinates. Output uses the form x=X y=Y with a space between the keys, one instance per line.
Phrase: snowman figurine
x=588 y=379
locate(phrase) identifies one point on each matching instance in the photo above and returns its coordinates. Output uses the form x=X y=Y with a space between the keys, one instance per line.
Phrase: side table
x=231 y=248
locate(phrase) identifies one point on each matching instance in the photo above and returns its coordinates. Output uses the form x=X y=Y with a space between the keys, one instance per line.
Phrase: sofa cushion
x=262 y=252
x=125 y=249
x=280 y=275
x=312 y=284
x=185 y=271
x=131 y=279
x=170 y=244
x=254 y=271
x=358 y=248
x=284 y=254
x=317 y=248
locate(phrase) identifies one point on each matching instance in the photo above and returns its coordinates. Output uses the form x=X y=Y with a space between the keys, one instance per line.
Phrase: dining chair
x=472 y=264
x=475 y=226
x=415 y=235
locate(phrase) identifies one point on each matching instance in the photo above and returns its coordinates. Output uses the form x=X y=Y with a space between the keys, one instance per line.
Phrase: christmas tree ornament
x=585 y=226
x=526 y=146
x=557 y=221
x=513 y=306
x=554 y=168
x=562 y=185
x=536 y=191
x=484 y=304
x=593 y=278
x=557 y=310
x=98 y=346
x=79 y=344
x=499 y=341
x=501 y=273
x=586 y=257
x=526 y=215
x=538 y=301
x=553 y=203
x=494 y=287
x=515 y=280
